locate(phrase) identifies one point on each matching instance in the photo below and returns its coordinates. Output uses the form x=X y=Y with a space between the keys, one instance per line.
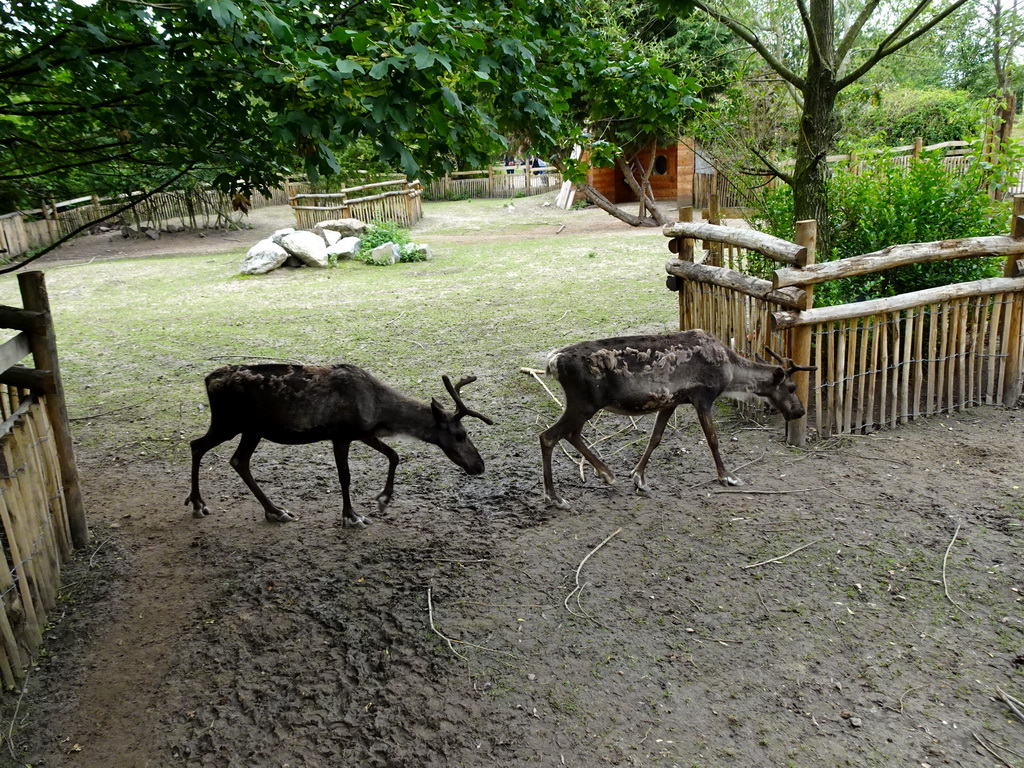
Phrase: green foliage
x=877 y=203
x=897 y=116
x=387 y=232
x=249 y=91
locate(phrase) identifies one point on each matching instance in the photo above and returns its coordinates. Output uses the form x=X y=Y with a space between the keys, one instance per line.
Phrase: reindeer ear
x=780 y=375
x=437 y=410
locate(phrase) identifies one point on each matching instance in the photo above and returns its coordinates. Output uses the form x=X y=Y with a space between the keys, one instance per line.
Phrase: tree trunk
x=819 y=125
x=608 y=206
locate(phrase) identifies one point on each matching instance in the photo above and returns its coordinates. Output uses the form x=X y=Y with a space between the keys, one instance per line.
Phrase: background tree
x=832 y=49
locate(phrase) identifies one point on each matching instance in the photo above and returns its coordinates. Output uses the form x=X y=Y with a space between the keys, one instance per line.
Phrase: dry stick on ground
x=450 y=640
x=991 y=751
x=256 y=357
x=113 y=410
x=735 y=469
x=1015 y=705
x=783 y=557
x=579 y=568
x=535 y=372
x=945 y=557
x=751 y=490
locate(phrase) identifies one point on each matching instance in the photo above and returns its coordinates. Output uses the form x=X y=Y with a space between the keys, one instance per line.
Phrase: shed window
x=660 y=165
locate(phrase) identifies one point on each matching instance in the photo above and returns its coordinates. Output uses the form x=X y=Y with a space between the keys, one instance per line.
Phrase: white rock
x=279 y=235
x=331 y=236
x=385 y=254
x=421 y=250
x=345 y=227
x=263 y=257
x=346 y=248
x=308 y=246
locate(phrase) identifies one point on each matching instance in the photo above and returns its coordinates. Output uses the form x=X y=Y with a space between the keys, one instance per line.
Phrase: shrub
x=389 y=232
x=882 y=203
x=898 y=116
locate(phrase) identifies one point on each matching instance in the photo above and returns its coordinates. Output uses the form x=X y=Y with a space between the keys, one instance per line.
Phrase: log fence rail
x=880 y=362
x=403 y=205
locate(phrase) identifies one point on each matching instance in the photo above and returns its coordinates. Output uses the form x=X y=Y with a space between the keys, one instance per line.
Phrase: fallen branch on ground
x=945 y=557
x=579 y=587
x=782 y=557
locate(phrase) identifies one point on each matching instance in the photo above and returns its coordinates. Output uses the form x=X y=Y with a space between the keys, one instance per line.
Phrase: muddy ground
x=860 y=602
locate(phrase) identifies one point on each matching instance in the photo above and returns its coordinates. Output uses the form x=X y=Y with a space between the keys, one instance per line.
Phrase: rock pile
x=335 y=240
x=339 y=238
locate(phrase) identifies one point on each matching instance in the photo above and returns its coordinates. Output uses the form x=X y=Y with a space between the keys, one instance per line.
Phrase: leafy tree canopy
x=250 y=90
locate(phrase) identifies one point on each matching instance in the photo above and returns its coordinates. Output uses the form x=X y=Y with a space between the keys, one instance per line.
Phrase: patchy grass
x=145 y=331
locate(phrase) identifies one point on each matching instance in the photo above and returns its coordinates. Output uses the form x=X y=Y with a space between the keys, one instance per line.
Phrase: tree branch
x=751 y=39
x=890 y=45
x=130 y=204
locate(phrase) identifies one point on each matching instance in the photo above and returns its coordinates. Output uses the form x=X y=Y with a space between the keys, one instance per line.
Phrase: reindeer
x=300 y=404
x=636 y=375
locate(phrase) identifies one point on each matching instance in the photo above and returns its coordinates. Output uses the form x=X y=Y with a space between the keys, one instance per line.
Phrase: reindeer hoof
x=356 y=521
x=730 y=480
x=383 y=500
x=280 y=516
x=556 y=501
x=640 y=484
x=199 y=508
x=608 y=477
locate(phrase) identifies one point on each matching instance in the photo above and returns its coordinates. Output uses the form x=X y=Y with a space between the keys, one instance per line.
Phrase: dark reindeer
x=636 y=375
x=299 y=404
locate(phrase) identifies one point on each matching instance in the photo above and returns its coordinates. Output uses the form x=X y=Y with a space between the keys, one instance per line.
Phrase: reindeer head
x=452 y=436
x=780 y=390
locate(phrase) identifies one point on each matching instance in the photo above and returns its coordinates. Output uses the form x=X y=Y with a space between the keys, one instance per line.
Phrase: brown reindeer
x=299 y=404
x=636 y=375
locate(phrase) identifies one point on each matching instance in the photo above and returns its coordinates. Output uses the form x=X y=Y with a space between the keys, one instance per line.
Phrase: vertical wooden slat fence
x=882 y=362
x=494 y=182
x=41 y=512
x=22 y=231
x=402 y=206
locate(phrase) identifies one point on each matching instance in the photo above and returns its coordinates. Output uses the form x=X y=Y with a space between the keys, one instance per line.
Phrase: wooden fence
x=22 y=231
x=40 y=500
x=403 y=205
x=881 y=362
x=498 y=181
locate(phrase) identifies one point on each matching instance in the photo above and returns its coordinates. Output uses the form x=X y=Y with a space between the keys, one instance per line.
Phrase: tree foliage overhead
x=254 y=89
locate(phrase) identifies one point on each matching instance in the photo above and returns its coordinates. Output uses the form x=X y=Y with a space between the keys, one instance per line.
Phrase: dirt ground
x=857 y=603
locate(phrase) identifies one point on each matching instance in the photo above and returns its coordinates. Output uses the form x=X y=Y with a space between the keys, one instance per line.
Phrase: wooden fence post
x=714 y=217
x=1012 y=380
x=44 y=355
x=682 y=247
x=802 y=336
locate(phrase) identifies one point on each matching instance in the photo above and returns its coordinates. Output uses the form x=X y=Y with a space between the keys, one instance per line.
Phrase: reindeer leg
x=240 y=463
x=568 y=426
x=384 y=497
x=704 y=416
x=200 y=446
x=659 y=429
x=576 y=441
x=348 y=515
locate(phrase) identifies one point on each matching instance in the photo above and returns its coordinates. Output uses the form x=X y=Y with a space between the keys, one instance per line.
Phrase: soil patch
x=858 y=603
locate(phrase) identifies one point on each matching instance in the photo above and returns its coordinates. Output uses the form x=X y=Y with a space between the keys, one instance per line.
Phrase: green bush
x=883 y=203
x=898 y=116
x=389 y=232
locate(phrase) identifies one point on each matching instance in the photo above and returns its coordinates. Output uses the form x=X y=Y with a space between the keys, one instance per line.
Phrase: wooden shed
x=671 y=179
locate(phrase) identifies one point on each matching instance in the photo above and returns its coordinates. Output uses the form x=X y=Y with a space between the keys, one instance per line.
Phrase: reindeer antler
x=788 y=364
x=460 y=407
